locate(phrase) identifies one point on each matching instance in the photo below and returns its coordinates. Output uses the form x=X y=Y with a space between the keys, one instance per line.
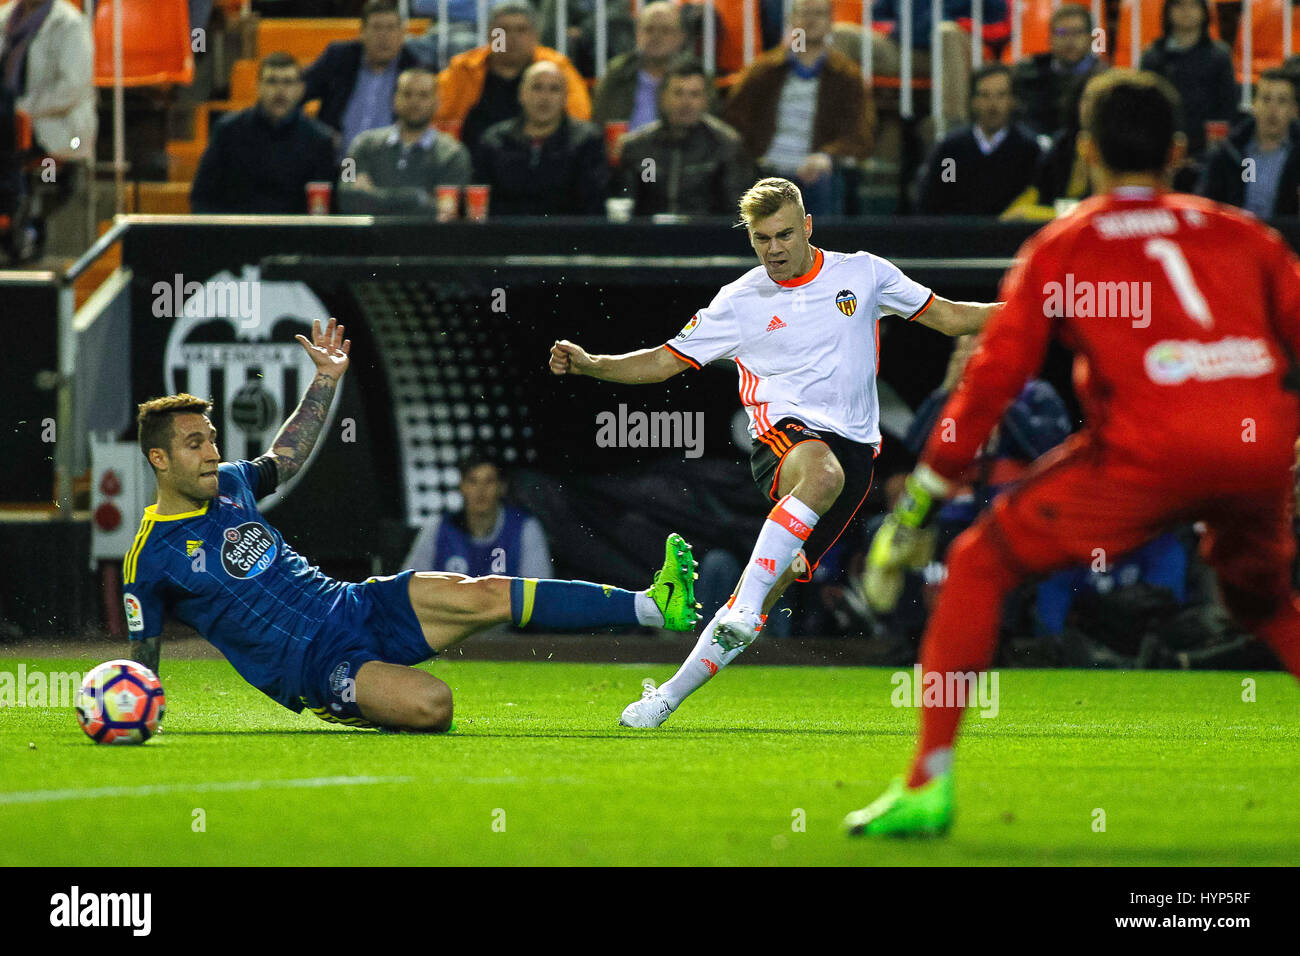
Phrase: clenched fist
x=569 y=359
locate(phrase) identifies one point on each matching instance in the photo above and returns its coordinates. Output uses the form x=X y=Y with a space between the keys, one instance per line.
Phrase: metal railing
x=750 y=42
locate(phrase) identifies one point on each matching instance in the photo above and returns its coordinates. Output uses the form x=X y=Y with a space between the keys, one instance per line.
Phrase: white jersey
x=809 y=347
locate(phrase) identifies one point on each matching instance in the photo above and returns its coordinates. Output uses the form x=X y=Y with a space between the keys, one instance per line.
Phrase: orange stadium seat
x=22 y=131
x=306 y=38
x=155 y=43
x=1266 y=38
x=243 y=83
x=1150 y=29
x=731 y=33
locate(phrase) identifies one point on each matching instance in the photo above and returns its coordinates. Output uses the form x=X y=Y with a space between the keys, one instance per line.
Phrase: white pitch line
x=149 y=790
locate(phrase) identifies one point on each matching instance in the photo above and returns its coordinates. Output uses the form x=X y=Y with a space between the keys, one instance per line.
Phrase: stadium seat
x=155 y=43
x=243 y=83
x=22 y=132
x=1266 y=38
x=159 y=199
x=730 y=43
x=1150 y=28
x=306 y=38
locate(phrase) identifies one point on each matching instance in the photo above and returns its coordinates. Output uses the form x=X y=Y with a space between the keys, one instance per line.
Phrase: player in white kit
x=803 y=331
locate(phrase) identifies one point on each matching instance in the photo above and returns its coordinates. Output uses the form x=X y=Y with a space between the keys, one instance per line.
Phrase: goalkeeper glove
x=905 y=539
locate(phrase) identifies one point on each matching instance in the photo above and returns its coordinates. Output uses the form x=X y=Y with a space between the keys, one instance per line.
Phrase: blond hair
x=766 y=197
x=155 y=416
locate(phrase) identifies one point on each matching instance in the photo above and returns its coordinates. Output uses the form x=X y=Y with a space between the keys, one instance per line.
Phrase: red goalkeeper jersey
x=1182 y=314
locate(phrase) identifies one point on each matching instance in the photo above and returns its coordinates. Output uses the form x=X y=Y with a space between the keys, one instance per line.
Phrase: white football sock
x=787 y=527
x=706 y=660
x=647 y=611
x=937 y=762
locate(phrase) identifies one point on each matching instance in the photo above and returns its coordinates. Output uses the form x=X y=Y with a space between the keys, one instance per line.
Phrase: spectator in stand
x=1199 y=67
x=481 y=87
x=954 y=46
x=46 y=60
x=485 y=537
x=1258 y=166
x=980 y=169
x=1062 y=174
x=260 y=160
x=686 y=162
x=355 y=79
x=542 y=162
x=399 y=168
x=620 y=32
x=1045 y=84
x=802 y=106
x=629 y=91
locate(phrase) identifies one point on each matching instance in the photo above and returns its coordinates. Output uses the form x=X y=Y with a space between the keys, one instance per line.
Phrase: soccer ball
x=120 y=702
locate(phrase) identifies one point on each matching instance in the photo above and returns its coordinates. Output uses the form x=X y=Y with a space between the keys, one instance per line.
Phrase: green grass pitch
x=537 y=772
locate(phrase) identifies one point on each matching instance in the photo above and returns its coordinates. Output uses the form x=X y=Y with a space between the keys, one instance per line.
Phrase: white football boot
x=650 y=711
x=738 y=627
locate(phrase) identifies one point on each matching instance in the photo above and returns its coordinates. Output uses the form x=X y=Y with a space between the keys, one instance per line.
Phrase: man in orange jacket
x=481 y=86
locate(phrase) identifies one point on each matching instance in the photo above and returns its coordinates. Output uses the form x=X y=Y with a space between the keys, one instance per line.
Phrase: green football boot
x=925 y=811
x=673 y=590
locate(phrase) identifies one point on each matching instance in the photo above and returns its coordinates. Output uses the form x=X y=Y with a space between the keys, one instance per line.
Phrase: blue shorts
x=373 y=622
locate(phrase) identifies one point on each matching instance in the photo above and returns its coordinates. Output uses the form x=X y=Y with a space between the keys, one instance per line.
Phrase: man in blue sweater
x=485 y=537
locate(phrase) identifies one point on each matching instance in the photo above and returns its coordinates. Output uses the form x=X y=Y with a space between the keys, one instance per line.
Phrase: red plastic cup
x=614 y=131
x=448 y=198
x=318 y=198
x=1215 y=130
x=476 y=202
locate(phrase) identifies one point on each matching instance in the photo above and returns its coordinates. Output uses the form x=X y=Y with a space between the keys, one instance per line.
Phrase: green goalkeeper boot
x=925 y=811
x=673 y=590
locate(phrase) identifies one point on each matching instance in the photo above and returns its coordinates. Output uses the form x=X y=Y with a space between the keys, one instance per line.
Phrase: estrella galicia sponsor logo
x=339 y=677
x=846 y=301
x=247 y=550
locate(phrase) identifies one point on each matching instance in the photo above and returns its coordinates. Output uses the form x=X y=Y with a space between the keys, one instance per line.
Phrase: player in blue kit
x=205 y=555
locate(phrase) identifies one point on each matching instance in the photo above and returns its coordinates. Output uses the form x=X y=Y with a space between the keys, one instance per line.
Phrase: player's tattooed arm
x=147 y=652
x=297 y=437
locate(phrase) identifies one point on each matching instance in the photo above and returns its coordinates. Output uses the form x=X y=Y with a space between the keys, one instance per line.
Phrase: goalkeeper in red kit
x=1184 y=317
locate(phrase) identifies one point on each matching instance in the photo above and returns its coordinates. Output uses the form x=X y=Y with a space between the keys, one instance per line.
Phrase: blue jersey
x=229 y=575
x=456 y=549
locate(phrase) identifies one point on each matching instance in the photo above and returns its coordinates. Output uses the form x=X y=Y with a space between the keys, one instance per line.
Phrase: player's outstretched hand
x=327 y=348
x=569 y=359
